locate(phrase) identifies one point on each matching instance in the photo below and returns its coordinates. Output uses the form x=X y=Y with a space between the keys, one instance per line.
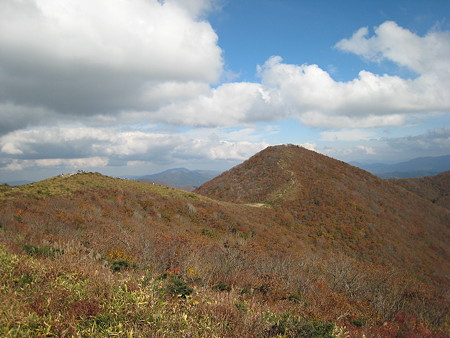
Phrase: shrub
x=26 y=279
x=359 y=322
x=294 y=298
x=290 y=325
x=241 y=306
x=45 y=250
x=121 y=265
x=208 y=233
x=222 y=287
x=178 y=287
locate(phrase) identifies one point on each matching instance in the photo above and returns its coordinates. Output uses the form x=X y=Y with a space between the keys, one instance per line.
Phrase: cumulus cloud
x=435 y=142
x=77 y=146
x=73 y=163
x=196 y=7
x=230 y=104
x=397 y=44
x=86 y=58
x=310 y=146
x=310 y=94
x=367 y=150
x=13 y=116
x=346 y=135
x=154 y=62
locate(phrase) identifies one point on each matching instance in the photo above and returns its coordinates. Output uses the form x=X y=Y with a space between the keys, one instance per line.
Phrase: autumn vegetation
x=290 y=244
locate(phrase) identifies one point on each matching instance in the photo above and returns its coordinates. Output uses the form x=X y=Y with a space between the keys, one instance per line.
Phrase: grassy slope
x=252 y=270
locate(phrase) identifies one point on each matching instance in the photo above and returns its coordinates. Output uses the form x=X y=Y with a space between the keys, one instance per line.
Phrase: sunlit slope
x=342 y=207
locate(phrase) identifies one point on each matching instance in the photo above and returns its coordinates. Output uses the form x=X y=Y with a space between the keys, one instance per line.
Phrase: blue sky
x=137 y=87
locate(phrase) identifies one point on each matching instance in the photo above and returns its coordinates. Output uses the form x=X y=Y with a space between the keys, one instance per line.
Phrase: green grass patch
x=44 y=251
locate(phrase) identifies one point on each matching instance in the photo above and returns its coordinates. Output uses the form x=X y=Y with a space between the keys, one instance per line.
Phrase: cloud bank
x=85 y=58
x=87 y=81
x=73 y=147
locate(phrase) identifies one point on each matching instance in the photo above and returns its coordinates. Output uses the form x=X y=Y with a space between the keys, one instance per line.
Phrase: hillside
x=91 y=255
x=433 y=188
x=342 y=207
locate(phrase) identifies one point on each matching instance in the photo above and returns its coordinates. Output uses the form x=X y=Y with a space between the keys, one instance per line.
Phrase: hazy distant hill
x=181 y=178
x=22 y=182
x=418 y=167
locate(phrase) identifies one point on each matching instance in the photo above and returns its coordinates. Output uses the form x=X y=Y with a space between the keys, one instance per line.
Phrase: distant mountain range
x=186 y=179
x=22 y=182
x=418 y=167
x=180 y=178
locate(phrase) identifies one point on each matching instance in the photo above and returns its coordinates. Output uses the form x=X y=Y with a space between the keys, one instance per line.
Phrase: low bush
x=46 y=251
x=178 y=287
x=222 y=287
x=292 y=326
x=121 y=265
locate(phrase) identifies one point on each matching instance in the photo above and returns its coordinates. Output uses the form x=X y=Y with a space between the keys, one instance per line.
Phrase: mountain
x=343 y=207
x=434 y=188
x=423 y=166
x=22 y=182
x=289 y=243
x=181 y=178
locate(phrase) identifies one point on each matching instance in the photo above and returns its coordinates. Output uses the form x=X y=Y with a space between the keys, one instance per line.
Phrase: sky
x=139 y=86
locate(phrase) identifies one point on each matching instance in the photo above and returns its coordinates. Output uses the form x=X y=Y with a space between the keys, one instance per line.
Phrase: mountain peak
x=275 y=174
x=343 y=206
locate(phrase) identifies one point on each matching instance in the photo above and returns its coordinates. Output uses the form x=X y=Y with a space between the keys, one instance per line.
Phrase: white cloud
x=218 y=150
x=310 y=94
x=392 y=42
x=355 y=151
x=143 y=37
x=230 y=104
x=367 y=150
x=346 y=135
x=86 y=58
x=434 y=142
x=154 y=62
x=196 y=7
x=319 y=119
x=310 y=146
x=370 y=100
x=73 y=163
x=71 y=146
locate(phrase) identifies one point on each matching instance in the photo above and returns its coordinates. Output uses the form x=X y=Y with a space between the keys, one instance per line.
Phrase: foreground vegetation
x=68 y=291
x=69 y=294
